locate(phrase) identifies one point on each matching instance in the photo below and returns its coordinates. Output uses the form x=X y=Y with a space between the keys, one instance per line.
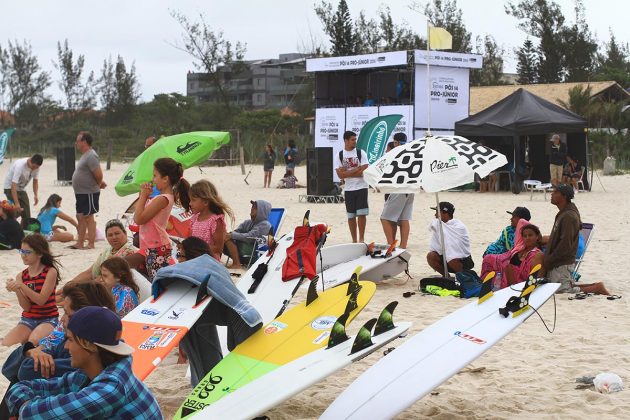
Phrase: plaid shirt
x=114 y=394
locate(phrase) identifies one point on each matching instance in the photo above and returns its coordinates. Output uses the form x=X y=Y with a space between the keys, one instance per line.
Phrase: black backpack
x=358 y=155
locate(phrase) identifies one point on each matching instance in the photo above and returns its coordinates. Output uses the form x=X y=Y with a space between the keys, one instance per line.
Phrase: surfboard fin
x=370 y=248
x=306 y=219
x=385 y=320
x=338 y=332
x=391 y=249
x=516 y=305
x=352 y=301
x=354 y=280
x=363 y=339
x=486 y=288
x=202 y=293
x=312 y=291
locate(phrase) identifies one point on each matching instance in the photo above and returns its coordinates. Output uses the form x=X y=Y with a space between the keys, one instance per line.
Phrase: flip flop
x=613 y=297
x=579 y=296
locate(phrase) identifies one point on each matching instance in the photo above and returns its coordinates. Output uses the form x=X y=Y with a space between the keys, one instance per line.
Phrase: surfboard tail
x=363 y=339
x=516 y=305
x=486 y=288
x=385 y=320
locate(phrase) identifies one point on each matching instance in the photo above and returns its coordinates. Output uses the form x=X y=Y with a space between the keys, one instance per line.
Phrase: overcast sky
x=142 y=31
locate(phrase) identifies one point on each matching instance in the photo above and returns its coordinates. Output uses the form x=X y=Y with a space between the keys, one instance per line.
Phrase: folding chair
x=276 y=217
x=587 y=235
x=580 y=183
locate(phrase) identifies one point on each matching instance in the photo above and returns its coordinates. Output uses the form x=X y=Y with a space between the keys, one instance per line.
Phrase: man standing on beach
x=557 y=159
x=398 y=209
x=87 y=182
x=18 y=177
x=350 y=166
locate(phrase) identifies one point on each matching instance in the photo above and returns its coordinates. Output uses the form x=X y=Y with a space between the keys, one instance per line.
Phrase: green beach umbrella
x=189 y=149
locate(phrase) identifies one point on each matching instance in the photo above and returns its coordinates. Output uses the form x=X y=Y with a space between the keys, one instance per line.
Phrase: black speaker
x=65 y=163
x=319 y=170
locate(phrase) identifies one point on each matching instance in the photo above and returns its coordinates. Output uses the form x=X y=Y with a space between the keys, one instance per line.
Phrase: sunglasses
x=24 y=251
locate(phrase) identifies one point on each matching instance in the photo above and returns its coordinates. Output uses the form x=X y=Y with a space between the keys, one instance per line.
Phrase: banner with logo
x=5 y=136
x=405 y=125
x=363 y=61
x=374 y=135
x=449 y=96
x=330 y=123
x=357 y=117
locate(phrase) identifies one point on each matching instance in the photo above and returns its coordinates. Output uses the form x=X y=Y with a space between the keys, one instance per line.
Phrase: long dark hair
x=40 y=246
x=175 y=172
x=120 y=269
x=194 y=247
x=50 y=203
x=88 y=293
x=534 y=229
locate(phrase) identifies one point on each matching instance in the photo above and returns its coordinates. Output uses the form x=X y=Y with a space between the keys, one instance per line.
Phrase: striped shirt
x=115 y=393
x=48 y=309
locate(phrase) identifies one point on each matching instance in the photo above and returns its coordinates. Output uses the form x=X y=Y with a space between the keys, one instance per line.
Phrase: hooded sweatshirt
x=250 y=230
x=563 y=241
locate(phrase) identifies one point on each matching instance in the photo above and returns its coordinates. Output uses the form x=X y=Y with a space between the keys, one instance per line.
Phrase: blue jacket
x=220 y=285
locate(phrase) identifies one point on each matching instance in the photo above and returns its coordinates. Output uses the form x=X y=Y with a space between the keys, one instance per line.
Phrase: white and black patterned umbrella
x=433 y=164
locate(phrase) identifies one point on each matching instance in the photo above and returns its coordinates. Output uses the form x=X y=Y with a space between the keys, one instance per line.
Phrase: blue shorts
x=32 y=323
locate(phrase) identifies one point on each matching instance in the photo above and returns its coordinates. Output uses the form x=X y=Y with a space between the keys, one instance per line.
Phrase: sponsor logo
x=151 y=342
x=377 y=139
x=206 y=386
x=184 y=149
x=323 y=323
x=274 y=327
x=323 y=336
x=128 y=177
x=470 y=338
x=441 y=166
x=175 y=314
x=381 y=59
x=150 y=312
x=166 y=339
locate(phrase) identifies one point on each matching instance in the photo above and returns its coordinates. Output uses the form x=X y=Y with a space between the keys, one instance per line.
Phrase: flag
x=440 y=39
x=4 y=142
x=374 y=134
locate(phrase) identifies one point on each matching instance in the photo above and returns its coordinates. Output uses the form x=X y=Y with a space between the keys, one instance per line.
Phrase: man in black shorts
x=351 y=163
x=87 y=182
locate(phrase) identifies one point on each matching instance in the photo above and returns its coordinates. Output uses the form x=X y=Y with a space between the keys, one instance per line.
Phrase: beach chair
x=580 y=183
x=587 y=235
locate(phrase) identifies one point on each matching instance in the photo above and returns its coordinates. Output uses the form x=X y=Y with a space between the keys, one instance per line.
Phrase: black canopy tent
x=522 y=122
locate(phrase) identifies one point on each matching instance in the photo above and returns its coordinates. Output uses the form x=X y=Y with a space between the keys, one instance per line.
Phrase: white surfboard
x=431 y=357
x=339 y=261
x=281 y=384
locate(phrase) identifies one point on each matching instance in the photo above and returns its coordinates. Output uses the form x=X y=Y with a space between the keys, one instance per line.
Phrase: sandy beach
x=530 y=373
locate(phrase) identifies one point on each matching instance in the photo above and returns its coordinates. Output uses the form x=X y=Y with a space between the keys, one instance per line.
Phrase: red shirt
x=48 y=309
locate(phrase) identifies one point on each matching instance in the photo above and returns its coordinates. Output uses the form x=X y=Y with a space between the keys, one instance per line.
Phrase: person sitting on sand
x=506 y=238
x=119 y=246
x=559 y=258
x=11 y=233
x=49 y=358
x=514 y=265
x=201 y=344
x=456 y=241
x=47 y=216
x=104 y=385
x=242 y=240
x=289 y=181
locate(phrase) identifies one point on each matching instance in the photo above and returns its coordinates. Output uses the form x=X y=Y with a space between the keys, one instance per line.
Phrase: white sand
x=529 y=373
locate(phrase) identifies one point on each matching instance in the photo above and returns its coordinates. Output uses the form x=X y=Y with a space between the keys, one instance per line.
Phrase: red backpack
x=301 y=261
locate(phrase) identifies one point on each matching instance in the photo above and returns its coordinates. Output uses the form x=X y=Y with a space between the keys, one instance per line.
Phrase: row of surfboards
x=308 y=342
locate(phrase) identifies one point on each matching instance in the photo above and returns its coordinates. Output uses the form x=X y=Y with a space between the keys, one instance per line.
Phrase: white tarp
x=330 y=123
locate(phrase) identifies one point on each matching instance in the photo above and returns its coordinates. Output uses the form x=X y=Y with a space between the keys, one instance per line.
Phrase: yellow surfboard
x=299 y=331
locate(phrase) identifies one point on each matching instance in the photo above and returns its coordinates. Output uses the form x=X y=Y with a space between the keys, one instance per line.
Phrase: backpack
x=467 y=282
x=358 y=155
x=301 y=261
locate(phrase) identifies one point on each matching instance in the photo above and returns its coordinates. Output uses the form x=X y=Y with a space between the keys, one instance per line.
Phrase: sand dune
x=529 y=373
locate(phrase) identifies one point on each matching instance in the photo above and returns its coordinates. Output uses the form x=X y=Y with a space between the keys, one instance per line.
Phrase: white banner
x=330 y=123
x=449 y=97
x=364 y=61
x=356 y=117
x=405 y=125
x=448 y=59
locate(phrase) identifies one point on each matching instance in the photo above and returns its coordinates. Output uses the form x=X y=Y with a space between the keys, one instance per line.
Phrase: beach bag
x=469 y=283
x=301 y=261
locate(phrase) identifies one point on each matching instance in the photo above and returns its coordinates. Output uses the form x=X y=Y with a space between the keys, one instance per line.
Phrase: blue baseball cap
x=100 y=326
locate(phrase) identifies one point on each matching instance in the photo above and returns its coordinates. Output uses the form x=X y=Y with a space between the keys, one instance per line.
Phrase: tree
x=397 y=37
x=445 y=14
x=527 y=63
x=580 y=48
x=579 y=101
x=212 y=54
x=23 y=80
x=614 y=64
x=79 y=95
x=492 y=70
x=118 y=90
x=338 y=27
x=368 y=36
x=543 y=20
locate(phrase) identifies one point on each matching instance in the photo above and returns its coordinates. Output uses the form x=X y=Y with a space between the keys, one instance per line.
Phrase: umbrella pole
x=437 y=205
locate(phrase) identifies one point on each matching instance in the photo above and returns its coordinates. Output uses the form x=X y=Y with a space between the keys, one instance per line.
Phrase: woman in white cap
x=103 y=387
